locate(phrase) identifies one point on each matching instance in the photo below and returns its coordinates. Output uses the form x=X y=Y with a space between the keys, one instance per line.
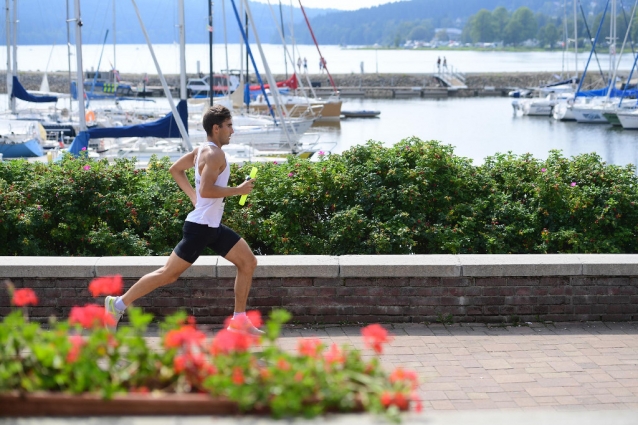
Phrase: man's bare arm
x=214 y=161
x=178 y=171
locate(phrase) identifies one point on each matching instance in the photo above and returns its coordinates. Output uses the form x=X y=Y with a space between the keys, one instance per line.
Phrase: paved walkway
x=565 y=373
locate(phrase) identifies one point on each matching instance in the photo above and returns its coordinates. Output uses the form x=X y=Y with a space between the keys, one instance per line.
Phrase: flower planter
x=134 y=404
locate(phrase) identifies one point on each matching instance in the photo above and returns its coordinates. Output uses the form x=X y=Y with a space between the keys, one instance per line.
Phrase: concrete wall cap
x=273 y=266
x=47 y=267
x=481 y=265
x=609 y=264
x=323 y=266
x=399 y=266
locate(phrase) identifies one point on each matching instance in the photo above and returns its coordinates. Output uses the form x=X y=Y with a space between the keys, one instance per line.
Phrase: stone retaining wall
x=59 y=81
x=358 y=289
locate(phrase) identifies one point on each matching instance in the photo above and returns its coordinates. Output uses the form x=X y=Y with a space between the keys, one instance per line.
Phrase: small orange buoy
x=89 y=116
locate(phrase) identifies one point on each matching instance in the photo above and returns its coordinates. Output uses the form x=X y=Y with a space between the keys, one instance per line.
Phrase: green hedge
x=415 y=197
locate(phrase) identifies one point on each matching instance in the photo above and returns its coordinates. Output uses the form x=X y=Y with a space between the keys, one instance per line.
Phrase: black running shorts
x=196 y=237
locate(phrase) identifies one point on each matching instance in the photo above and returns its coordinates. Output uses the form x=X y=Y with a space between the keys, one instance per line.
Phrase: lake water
x=477 y=128
x=136 y=58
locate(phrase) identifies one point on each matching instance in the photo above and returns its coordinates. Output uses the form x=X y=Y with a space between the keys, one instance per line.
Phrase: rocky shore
x=498 y=82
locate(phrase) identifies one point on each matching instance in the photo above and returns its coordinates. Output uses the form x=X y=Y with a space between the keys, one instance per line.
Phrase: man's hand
x=246 y=187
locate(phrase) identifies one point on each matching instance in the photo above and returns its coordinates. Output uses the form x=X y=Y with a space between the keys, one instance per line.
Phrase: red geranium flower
x=386 y=399
x=226 y=342
x=310 y=347
x=374 y=336
x=255 y=318
x=334 y=355
x=282 y=364
x=24 y=297
x=90 y=316
x=106 y=285
x=76 y=345
x=402 y=375
x=238 y=376
x=185 y=336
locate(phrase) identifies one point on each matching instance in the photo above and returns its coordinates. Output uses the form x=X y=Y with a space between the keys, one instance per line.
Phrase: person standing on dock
x=444 y=63
x=438 y=64
x=299 y=63
x=203 y=226
x=305 y=65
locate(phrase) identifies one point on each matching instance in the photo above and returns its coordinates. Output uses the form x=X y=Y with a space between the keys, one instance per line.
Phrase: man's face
x=225 y=130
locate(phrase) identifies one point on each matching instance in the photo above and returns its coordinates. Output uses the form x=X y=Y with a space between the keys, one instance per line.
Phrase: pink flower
x=321 y=153
x=39 y=207
x=185 y=336
x=274 y=162
x=76 y=345
x=90 y=316
x=310 y=347
x=106 y=285
x=573 y=184
x=24 y=297
x=375 y=336
x=291 y=175
x=543 y=170
x=334 y=355
x=87 y=167
x=84 y=148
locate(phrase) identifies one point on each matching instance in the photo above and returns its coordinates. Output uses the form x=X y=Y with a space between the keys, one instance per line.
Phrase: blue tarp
x=164 y=127
x=603 y=92
x=20 y=92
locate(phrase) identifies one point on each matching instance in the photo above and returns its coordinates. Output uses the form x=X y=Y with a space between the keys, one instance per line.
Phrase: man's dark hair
x=215 y=115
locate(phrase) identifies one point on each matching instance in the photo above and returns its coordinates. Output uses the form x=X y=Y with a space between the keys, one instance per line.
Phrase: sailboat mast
x=167 y=91
x=323 y=61
x=15 y=49
x=8 y=28
x=78 y=53
x=182 y=52
x=68 y=51
x=576 y=37
x=114 y=42
x=210 y=52
x=283 y=31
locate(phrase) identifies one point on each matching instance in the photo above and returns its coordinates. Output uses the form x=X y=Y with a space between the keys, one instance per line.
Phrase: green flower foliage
x=413 y=198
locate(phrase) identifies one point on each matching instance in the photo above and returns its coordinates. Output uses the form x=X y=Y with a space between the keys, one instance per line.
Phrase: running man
x=203 y=225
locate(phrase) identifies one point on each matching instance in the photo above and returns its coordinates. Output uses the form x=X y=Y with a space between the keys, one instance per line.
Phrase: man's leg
x=171 y=271
x=244 y=259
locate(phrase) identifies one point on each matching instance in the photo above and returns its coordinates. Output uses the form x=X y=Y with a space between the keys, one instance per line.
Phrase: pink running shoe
x=243 y=326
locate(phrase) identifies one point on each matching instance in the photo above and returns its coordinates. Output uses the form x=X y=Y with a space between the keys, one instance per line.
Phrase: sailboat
x=167 y=127
x=296 y=100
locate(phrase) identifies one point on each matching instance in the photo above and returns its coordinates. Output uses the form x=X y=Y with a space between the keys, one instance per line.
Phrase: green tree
x=482 y=27
x=548 y=35
x=501 y=17
x=421 y=33
x=522 y=26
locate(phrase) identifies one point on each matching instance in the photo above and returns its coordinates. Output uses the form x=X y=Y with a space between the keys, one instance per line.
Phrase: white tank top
x=208 y=211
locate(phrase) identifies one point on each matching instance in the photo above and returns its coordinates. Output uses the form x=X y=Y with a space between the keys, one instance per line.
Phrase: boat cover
x=164 y=127
x=291 y=83
x=603 y=92
x=20 y=92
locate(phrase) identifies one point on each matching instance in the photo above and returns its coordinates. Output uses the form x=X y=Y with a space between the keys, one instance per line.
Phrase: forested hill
x=388 y=23
x=43 y=21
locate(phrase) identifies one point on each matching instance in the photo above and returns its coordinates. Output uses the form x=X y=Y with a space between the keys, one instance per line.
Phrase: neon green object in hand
x=253 y=174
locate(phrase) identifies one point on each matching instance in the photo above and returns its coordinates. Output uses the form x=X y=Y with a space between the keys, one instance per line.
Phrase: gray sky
x=331 y=4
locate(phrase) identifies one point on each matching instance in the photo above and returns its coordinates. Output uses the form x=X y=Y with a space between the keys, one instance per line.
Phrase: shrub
x=415 y=197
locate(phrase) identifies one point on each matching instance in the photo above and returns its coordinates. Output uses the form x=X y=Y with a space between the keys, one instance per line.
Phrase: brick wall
x=500 y=299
